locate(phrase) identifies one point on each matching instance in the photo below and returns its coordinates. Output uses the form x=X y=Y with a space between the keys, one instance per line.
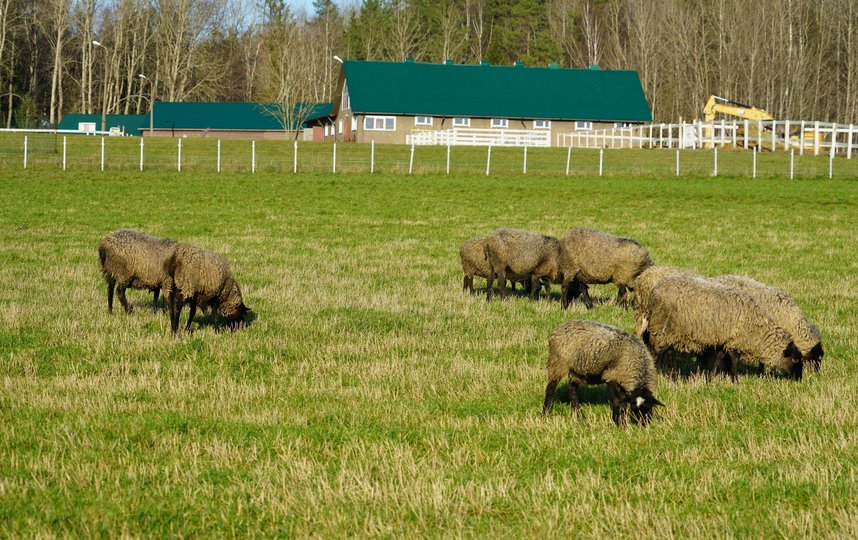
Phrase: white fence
x=480 y=137
x=772 y=135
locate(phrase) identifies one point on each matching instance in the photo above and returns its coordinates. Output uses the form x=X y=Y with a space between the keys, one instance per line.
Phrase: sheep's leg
x=617 y=404
x=502 y=282
x=732 y=362
x=585 y=297
x=489 y=284
x=191 y=314
x=535 y=286
x=175 y=312
x=120 y=291
x=621 y=296
x=110 y=284
x=565 y=294
x=155 y=294
x=572 y=390
x=467 y=285
x=549 y=396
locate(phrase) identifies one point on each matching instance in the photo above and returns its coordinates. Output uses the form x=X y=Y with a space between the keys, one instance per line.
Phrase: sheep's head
x=792 y=359
x=232 y=307
x=814 y=357
x=641 y=402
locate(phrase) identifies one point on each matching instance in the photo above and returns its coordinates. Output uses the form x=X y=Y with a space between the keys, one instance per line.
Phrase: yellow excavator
x=717 y=104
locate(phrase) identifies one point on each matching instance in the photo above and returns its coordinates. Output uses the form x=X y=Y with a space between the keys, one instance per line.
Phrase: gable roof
x=412 y=88
x=223 y=115
x=132 y=123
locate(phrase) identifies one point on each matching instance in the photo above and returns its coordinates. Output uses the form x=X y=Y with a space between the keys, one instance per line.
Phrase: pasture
x=371 y=397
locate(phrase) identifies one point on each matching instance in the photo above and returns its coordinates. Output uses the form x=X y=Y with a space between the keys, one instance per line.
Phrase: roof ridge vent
x=449 y=62
x=409 y=60
x=518 y=63
x=553 y=65
x=485 y=63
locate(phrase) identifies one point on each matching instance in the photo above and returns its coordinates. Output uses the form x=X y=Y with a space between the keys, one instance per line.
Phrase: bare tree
x=454 y=32
x=55 y=26
x=408 y=37
x=479 y=25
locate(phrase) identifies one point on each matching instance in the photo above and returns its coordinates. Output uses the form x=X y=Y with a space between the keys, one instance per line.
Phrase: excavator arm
x=717 y=104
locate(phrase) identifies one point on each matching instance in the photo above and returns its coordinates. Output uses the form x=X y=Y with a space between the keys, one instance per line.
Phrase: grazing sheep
x=133 y=259
x=783 y=309
x=521 y=253
x=197 y=275
x=595 y=257
x=590 y=352
x=474 y=263
x=644 y=284
x=694 y=315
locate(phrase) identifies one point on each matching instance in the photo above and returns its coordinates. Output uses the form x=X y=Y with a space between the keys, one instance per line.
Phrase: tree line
x=798 y=59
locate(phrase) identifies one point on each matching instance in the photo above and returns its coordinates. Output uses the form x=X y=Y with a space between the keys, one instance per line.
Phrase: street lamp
x=104 y=87
x=151 y=103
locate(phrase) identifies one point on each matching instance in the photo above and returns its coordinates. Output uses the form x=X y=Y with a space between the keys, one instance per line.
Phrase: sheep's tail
x=170 y=271
x=102 y=259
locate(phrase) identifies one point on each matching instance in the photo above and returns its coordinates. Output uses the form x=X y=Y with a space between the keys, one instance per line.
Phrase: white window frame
x=354 y=123
x=583 y=125
x=459 y=121
x=379 y=123
x=346 y=103
x=502 y=123
x=423 y=121
x=546 y=126
x=340 y=131
x=622 y=125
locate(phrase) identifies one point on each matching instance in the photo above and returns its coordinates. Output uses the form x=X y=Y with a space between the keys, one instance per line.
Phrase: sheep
x=694 y=315
x=521 y=253
x=644 y=284
x=474 y=263
x=133 y=259
x=589 y=352
x=783 y=309
x=595 y=257
x=197 y=275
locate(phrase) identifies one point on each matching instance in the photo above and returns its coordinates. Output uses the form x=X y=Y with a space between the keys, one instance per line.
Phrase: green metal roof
x=132 y=123
x=221 y=115
x=495 y=91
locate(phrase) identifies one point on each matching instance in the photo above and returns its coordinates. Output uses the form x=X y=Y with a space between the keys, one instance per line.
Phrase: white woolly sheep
x=592 y=257
x=197 y=275
x=589 y=352
x=698 y=316
x=784 y=310
x=132 y=259
x=474 y=263
x=521 y=253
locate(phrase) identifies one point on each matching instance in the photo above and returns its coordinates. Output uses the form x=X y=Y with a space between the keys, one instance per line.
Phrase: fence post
x=670 y=137
x=179 y=160
x=801 y=140
x=218 y=155
x=334 y=165
x=64 y=151
x=568 y=159
x=735 y=134
x=849 y=142
x=746 y=134
x=715 y=171
x=816 y=138
x=411 y=160
x=252 y=156
x=601 y=159
x=372 y=157
x=295 y=158
x=677 y=162
x=723 y=132
x=831 y=166
x=102 y=154
x=774 y=135
x=650 y=136
x=25 y=151
x=524 y=168
x=712 y=134
x=448 y=158
x=786 y=135
x=754 y=174
x=760 y=134
x=791 y=163
x=489 y=160
x=141 y=153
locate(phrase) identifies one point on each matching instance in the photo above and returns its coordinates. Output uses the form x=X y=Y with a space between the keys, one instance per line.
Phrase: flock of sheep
x=720 y=320
x=186 y=273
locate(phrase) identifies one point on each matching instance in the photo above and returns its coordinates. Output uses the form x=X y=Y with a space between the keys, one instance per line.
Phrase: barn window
x=422 y=120
x=583 y=125
x=461 y=122
x=500 y=123
x=354 y=123
x=542 y=124
x=379 y=123
x=620 y=125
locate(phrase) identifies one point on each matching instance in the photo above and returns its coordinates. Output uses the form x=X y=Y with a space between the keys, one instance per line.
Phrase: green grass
x=371 y=397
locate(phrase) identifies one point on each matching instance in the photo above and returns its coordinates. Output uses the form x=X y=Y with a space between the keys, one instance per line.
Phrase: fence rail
x=51 y=152
x=481 y=137
x=770 y=135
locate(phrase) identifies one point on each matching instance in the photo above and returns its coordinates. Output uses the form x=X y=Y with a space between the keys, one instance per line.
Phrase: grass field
x=371 y=397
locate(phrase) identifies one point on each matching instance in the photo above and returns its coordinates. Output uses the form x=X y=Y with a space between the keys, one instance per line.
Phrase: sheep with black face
x=589 y=352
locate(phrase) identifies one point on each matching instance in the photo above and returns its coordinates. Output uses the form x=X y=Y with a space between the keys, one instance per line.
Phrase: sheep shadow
x=592 y=394
x=686 y=366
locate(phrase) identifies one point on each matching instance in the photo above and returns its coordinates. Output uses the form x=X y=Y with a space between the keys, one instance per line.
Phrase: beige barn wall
x=257 y=135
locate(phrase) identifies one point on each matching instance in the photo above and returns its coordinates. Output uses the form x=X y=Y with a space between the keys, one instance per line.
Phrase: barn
x=398 y=102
